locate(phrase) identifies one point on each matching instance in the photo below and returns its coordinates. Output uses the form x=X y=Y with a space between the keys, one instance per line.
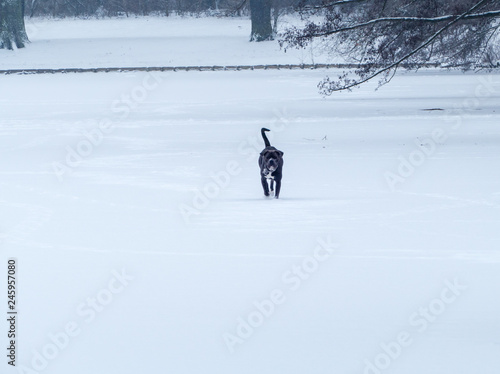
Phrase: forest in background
x=113 y=8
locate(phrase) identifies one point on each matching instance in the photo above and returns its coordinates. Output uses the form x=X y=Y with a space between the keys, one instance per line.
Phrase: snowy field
x=133 y=205
x=148 y=41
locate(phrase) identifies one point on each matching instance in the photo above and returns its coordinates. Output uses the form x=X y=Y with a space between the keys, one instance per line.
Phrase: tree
x=12 y=29
x=260 y=13
x=281 y=7
x=384 y=35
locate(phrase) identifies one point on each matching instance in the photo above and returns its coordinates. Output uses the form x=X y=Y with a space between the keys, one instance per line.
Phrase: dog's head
x=271 y=158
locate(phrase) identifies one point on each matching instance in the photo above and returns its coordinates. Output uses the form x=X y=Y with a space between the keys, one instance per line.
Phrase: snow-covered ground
x=133 y=205
x=148 y=41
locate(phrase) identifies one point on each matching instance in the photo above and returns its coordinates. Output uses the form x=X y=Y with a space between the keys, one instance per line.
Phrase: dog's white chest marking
x=269 y=175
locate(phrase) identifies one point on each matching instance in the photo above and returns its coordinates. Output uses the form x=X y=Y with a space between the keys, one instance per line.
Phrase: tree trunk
x=34 y=5
x=276 y=16
x=12 y=29
x=261 y=20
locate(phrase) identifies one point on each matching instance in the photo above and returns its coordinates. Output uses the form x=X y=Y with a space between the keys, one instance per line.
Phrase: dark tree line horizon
x=113 y=8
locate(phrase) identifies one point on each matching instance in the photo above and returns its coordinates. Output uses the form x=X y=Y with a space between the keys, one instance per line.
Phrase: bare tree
x=384 y=35
x=281 y=7
x=12 y=28
x=260 y=12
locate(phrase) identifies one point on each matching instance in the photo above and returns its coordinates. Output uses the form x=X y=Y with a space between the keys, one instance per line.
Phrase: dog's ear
x=264 y=152
x=281 y=153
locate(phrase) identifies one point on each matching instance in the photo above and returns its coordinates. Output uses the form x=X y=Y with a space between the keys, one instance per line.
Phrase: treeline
x=113 y=8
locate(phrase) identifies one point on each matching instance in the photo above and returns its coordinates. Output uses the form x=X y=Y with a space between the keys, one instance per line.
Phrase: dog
x=271 y=166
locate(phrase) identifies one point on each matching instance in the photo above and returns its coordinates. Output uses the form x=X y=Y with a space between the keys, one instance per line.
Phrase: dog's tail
x=266 y=140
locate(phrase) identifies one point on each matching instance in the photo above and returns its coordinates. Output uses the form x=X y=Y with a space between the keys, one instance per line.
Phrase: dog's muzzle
x=272 y=165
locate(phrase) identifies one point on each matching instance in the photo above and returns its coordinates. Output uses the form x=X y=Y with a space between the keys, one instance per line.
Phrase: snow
x=147 y=41
x=133 y=205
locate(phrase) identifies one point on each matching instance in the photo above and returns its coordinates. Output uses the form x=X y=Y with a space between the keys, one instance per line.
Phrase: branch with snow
x=451 y=34
x=394 y=65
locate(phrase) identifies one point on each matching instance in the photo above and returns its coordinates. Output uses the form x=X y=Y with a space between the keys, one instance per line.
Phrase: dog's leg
x=278 y=188
x=272 y=185
x=265 y=186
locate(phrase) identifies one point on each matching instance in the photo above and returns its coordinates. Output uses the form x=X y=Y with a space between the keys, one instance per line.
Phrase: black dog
x=271 y=166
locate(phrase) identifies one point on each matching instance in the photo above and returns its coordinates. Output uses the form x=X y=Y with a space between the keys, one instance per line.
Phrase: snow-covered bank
x=147 y=41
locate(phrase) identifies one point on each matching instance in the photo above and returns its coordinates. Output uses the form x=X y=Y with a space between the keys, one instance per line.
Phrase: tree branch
x=331 y=5
x=490 y=14
x=407 y=56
